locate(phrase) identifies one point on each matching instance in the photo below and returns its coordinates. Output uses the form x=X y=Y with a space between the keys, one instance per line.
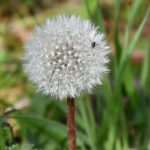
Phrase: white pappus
x=65 y=56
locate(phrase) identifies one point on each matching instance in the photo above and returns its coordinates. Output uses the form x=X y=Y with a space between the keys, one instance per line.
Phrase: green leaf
x=2 y=140
x=130 y=48
x=22 y=147
x=90 y=5
x=55 y=129
x=133 y=12
x=94 y=11
x=116 y=33
x=87 y=122
x=146 y=69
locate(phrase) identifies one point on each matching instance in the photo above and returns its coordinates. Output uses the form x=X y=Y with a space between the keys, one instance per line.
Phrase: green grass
x=115 y=116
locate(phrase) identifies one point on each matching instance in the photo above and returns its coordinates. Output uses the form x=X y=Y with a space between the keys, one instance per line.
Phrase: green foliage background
x=115 y=117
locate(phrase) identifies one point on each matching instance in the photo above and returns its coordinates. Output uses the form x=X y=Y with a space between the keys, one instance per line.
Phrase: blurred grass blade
x=128 y=53
x=2 y=142
x=95 y=13
x=118 y=144
x=90 y=113
x=109 y=145
x=130 y=86
x=99 y=17
x=116 y=33
x=136 y=38
x=91 y=6
x=55 y=129
x=107 y=89
x=134 y=11
x=87 y=125
x=146 y=68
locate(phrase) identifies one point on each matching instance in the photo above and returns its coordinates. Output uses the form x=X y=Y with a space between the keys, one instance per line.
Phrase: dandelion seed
x=65 y=56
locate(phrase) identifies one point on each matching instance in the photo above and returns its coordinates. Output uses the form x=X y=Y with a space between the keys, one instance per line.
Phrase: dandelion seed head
x=61 y=60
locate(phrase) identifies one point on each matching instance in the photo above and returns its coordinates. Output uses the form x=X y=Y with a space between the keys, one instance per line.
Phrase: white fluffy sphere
x=65 y=56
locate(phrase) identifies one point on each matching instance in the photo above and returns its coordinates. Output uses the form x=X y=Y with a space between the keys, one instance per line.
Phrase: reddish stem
x=71 y=124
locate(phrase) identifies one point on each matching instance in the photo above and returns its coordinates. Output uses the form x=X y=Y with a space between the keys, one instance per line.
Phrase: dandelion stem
x=71 y=124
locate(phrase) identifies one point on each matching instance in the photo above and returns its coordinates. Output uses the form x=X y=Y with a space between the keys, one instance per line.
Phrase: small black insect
x=93 y=44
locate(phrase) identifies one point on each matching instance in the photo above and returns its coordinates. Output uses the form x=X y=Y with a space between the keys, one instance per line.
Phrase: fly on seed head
x=93 y=44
